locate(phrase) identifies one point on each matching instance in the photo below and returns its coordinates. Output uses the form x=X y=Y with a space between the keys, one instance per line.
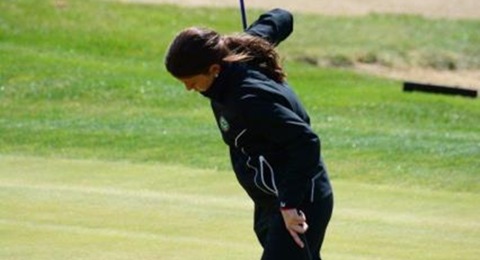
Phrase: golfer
x=274 y=152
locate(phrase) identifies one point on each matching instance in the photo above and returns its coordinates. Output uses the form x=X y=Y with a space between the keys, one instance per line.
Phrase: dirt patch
x=461 y=79
x=469 y=9
x=459 y=9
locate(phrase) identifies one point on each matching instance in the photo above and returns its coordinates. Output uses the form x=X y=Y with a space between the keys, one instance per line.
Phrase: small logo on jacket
x=224 y=125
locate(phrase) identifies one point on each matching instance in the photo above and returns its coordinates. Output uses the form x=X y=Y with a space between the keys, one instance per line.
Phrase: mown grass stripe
x=194 y=200
x=111 y=232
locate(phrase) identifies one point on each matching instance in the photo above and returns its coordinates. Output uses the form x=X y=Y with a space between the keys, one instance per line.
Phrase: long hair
x=194 y=50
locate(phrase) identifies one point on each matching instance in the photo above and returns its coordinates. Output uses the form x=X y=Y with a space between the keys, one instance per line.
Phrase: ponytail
x=257 y=52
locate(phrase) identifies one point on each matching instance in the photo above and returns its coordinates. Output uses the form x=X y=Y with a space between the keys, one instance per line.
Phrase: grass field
x=102 y=154
x=84 y=209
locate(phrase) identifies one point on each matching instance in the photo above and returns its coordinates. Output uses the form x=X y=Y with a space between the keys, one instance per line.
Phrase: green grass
x=100 y=147
x=84 y=209
x=391 y=40
x=88 y=81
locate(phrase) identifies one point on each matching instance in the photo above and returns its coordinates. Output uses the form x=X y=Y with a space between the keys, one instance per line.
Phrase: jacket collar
x=229 y=76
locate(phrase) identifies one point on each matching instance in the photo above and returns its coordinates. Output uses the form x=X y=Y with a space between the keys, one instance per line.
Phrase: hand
x=296 y=223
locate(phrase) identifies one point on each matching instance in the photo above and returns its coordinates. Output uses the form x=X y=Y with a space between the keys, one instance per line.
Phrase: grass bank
x=86 y=80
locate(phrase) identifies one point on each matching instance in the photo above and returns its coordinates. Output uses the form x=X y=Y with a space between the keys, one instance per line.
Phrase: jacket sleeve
x=294 y=137
x=273 y=26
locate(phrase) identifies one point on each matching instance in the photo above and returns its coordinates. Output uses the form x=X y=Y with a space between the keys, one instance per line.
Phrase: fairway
x=84 y=209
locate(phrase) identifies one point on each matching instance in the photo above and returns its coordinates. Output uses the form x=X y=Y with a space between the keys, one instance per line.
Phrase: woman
x=274 y=152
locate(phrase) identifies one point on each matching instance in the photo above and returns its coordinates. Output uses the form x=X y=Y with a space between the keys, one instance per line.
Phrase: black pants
x=275 y=239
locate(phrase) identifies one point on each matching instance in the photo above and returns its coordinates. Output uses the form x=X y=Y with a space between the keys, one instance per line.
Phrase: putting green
x=81 y=209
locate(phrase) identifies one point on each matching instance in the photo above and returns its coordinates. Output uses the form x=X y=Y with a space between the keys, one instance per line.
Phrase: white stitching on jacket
x=238 y=136
x=255 y=177
x=274 y=189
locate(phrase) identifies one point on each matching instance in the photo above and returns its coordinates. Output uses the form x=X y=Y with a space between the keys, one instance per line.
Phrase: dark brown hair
x=194 y=50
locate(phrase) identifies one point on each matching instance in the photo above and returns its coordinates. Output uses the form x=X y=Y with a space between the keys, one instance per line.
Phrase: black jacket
x=274 y=151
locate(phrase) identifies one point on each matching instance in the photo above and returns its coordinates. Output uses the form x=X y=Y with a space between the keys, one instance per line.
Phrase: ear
x=214 y=69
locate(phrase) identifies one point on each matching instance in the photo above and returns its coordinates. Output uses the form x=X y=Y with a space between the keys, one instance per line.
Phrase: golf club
x=244 y=16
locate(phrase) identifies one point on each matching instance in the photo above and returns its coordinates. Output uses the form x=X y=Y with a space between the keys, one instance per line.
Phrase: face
x=201 y=82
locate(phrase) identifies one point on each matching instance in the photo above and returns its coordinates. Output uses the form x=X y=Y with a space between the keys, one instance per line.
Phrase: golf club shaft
x=244 y=15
